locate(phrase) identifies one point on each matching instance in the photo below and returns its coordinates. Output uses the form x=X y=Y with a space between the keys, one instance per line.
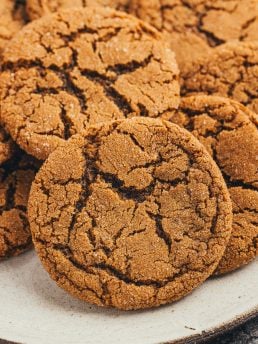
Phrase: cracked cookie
x=230 y=71
x=137 y=216
x=74 y=68
x=7 y=146
x=39 y=8
x=229 y=132
x=12 y=19
x=16 y=177
x=193 y=27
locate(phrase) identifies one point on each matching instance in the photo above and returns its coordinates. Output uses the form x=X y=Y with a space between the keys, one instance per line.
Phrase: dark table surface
x=244 y=334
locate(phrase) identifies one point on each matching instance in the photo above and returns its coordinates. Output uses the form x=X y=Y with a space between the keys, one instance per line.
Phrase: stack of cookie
x=142 y=194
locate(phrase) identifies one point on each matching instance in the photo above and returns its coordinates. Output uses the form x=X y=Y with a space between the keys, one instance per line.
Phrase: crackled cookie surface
x=39 y=8
x=16 y=177
x=138 y=216
x=12 y=19
x=193 y=27
x=79 y=67
x=229 y=132
x=230 y=71
x=7 y=146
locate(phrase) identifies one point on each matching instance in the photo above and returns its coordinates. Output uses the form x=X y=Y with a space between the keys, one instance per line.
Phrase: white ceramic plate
x=35 y=311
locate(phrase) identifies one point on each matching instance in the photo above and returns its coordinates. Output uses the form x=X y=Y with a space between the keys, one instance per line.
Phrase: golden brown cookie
x=193 y=27
x=39 y=8
x=16 y=177
x=137 y=216
x=7 y=146
x=229 y=132
x=12 y=19
x=230 y=71
x=80 y=67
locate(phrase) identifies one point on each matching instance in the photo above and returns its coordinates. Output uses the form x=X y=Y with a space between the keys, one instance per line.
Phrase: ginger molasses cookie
x=229 y=132
x=12 y=19
x=7 y=146
x=138 y=216
x=16 y=176
x=230 y=71
x=193 y=27
x=39 y=8
x=78 y=67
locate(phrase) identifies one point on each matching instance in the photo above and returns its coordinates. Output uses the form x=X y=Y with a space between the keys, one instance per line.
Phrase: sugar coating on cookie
x=7 y=146
x=229 y=131
x=39 y=8
x=229 y=71
x=80 y=67
x=16 y=177
x=137 y=216
x=193 y=27
x=12 y=19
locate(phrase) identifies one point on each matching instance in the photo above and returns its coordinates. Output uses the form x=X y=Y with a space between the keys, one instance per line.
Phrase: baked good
x=229 y=132
x=12 y=19
x=80 y=67
x=137 y=216
x=16 y=176
x=39 y=8
x=7 y=146
x=194 y=27
x=229 y=71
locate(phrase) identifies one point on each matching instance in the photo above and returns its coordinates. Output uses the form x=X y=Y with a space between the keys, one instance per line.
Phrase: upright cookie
x=229 y=132
x=16 y=177
x=230 y=71
x=12 y=19
x=39 y=8
x=7 y=146
x=80 y=67
x=193 y=27
x=138 y=216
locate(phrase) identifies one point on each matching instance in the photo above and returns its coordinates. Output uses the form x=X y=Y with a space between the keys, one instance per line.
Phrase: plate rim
x=215 y=331
x=204 y=336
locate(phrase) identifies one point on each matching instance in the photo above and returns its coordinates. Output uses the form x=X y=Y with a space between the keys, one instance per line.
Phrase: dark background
x=245 y=334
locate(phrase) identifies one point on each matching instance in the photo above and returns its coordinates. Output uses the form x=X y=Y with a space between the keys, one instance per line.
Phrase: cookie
x=16 y=177
x=7 y=146
x=12 y=19
x=138 y=216
x=68 y=70
x=39 y=8
x=193 y=27
x=229 y=132
x=230 y=71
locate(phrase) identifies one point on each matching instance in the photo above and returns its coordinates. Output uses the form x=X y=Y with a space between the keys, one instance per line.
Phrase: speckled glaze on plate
x=35 y=311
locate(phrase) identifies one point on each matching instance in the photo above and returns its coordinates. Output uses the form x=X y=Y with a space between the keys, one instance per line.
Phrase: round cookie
x=16 y=177
x=193 y=27
x=138 y=216
x=229 y=132
x=230 y=71
x=7 y=146
x=12 y=19
x=39 y=8
x=80 y=67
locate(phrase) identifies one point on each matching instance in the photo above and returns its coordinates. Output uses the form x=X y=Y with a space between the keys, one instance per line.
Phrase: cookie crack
x=238 y=183
x=127 y=193
x=107 y=84
x=160 y=231
x=130 y=67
